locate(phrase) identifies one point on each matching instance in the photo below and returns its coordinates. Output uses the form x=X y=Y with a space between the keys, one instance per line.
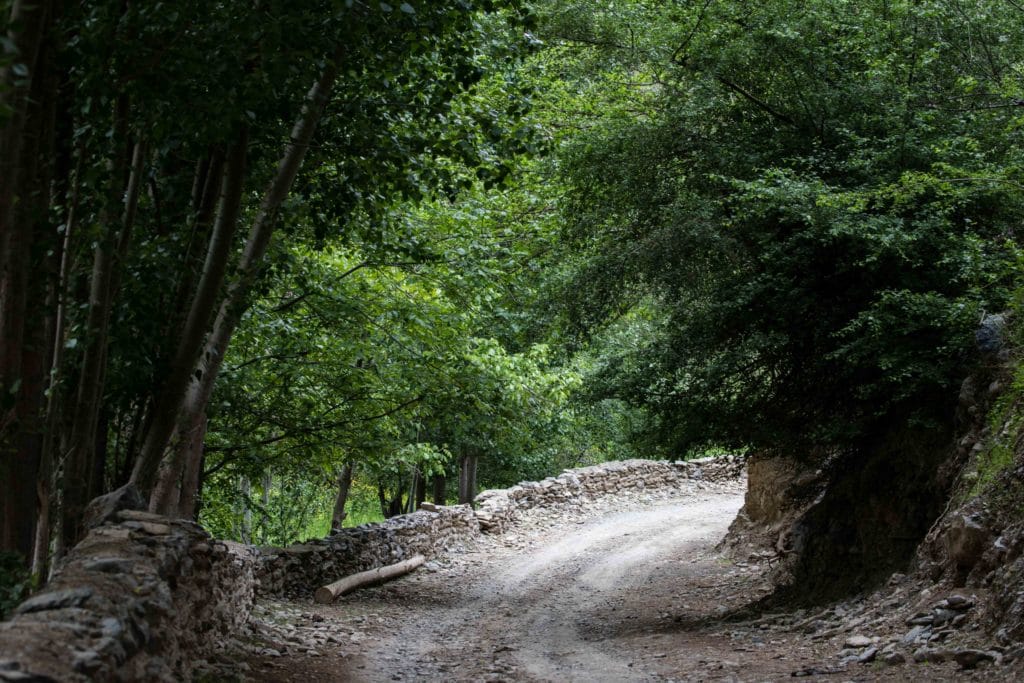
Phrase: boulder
x=105 y=508
x=966 y=541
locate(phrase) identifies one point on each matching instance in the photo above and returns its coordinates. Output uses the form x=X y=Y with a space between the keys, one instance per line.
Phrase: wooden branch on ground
x=330 y=592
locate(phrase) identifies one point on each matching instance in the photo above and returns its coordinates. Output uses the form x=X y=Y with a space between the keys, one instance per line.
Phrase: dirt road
x=633 y=590
x=632 y=595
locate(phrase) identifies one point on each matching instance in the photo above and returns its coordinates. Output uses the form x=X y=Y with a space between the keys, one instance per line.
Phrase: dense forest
x=287 y=266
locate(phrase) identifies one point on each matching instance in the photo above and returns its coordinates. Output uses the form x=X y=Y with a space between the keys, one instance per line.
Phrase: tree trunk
x=245 y=533
x=167 y=406
x=56 y=302
x=414 y=487
x=344 y=484
x=440 y=490
x=22 y=350
x=467 y=478
x=329 y=593
x=191 y=476
x=235 y=299
x=107 y=257
x=419 y=491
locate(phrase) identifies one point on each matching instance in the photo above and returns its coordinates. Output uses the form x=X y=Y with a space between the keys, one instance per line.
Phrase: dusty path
x=532 y=614
x=622 y=596
x=634 y=591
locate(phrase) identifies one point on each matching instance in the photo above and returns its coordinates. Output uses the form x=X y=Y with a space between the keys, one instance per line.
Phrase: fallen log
x=330 y=592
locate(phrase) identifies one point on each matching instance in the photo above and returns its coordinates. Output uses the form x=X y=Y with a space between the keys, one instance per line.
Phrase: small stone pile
x=577 y=488
x=929 y=628
x=893 y=628
x=137 y=600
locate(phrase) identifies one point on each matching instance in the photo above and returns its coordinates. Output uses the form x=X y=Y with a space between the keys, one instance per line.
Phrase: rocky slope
x=956 y=603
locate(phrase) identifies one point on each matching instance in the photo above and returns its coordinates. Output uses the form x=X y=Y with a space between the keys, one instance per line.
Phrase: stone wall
x=576 y=488
x=142 y=598
x=298 y=570
x=135 y=601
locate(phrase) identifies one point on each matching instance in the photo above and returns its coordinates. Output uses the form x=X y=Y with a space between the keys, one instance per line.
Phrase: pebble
x=915 y=633
x=868 y=655
x=859 y=641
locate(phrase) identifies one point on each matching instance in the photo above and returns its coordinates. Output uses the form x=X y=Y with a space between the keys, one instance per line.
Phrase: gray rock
x=894 y=659
x=990 y=332
x=73 y=597
x=112 y=627
x=966 y=542
x=17 y=676
x=109 y=565
x=868 y=655
x=858 y=642
x=151 y=528
x=86 y=661
x=957 y=602
x=105 y=508
x=921 y=619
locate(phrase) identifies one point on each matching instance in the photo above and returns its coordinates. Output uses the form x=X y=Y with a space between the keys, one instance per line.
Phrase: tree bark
x=329 y=593
x=245 y=532
x=467 y=478
x=191 y=476
x=421 y=490
x=344 y=484
x=236 y=296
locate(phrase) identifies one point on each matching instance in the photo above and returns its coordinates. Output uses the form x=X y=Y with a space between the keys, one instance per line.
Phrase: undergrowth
x=1005 y=445
x=14 y=581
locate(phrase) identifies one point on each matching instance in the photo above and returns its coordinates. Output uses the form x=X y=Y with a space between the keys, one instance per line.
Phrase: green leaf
x=407 y=8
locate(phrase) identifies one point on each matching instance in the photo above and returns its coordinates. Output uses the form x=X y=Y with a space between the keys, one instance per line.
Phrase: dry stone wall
x=298 y=570
x=576 y=488
x=135 y=601
x=143 y=598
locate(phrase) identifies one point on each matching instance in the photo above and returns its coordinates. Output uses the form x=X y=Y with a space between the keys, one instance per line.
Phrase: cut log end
x=329 y=593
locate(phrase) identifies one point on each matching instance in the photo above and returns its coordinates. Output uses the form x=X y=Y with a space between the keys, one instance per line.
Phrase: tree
x=815 y=219
x=150 y=131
